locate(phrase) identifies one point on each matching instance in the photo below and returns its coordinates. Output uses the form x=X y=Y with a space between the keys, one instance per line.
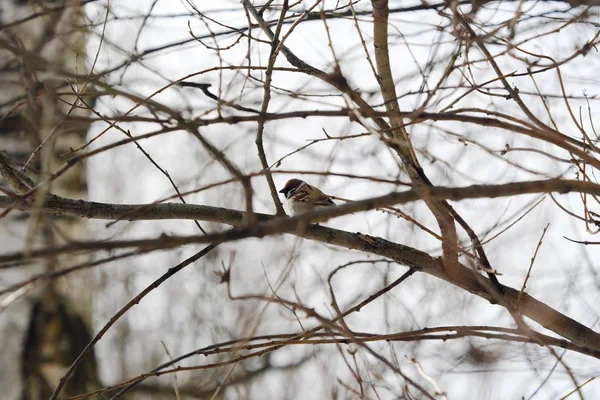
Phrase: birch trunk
x=44 y=327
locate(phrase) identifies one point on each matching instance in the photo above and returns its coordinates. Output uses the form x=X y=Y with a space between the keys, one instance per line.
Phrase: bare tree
x=457 y=139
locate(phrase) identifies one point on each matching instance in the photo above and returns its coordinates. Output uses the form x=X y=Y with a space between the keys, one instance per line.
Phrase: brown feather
x=303 y=197
x=312 y=195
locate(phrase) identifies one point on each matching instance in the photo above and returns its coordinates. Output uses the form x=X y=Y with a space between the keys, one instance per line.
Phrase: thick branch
x=147 y=212
x=442 y=211
x=472 y=281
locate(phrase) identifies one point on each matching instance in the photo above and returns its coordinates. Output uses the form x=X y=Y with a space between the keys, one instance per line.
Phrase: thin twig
x=537 y=248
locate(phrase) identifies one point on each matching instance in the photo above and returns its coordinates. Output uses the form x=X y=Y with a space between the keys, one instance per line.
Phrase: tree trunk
x=44 y=327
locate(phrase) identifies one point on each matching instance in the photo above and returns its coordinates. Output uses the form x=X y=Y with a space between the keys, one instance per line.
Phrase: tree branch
x=472 y=281
x=401 y=142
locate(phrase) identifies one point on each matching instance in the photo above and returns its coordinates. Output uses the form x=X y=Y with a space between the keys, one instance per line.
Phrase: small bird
x=303 y=197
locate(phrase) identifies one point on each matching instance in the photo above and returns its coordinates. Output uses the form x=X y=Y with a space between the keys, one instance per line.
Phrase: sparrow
x=302 y=197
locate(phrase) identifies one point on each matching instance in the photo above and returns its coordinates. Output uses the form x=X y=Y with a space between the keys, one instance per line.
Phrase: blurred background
x=80 y=77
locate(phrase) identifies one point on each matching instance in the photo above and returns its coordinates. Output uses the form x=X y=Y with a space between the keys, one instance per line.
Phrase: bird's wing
x=311 y=195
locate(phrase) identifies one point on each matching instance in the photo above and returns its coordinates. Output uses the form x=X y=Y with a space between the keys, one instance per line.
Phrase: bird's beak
x=282 y=191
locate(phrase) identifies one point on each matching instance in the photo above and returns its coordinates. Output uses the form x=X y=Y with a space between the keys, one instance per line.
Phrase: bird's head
x=291 y=186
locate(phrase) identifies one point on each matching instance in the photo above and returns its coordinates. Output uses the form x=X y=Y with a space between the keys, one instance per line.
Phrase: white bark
x=30 y=113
